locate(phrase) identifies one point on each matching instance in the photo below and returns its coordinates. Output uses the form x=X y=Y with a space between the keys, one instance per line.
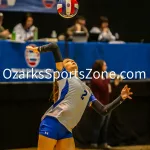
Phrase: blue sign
x=18 y=64
x=45 y=6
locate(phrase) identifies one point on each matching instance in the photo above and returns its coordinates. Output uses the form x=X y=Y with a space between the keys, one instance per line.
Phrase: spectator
x=101 y=89
x=104 y=32
x=25 y=30
x=78 y=27
x=4 y=33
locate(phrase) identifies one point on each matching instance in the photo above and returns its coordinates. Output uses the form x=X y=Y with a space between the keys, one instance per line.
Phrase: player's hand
x=125 y=93
x=34 y=49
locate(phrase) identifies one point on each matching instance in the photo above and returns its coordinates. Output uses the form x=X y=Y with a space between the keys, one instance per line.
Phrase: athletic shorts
x=50 y=127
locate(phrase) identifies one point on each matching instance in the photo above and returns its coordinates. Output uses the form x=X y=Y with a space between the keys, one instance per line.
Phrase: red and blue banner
x=45 y=6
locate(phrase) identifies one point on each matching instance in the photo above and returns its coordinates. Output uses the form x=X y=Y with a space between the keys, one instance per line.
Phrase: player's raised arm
x=106 y=109
x=52 y=47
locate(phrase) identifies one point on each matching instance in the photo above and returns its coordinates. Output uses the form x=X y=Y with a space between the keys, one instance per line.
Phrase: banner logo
x=7 y=3
x=67 y=8
x=32 y=58
x=49 y=3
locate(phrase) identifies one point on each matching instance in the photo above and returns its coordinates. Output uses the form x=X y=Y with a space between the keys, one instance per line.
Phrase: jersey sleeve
x=91 y=99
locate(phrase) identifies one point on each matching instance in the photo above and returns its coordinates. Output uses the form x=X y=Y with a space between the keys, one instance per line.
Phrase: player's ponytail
x=55 y=89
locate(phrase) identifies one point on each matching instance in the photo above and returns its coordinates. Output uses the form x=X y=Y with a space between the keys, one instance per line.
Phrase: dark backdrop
x=130 y=18
x=22 y=106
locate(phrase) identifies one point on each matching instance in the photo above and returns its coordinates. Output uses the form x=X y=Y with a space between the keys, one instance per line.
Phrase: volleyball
x=67 y=8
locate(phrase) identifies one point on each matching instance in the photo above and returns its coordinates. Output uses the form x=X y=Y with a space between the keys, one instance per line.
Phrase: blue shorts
x=52 y=128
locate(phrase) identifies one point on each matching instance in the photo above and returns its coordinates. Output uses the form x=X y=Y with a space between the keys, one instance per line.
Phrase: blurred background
x=129 y=18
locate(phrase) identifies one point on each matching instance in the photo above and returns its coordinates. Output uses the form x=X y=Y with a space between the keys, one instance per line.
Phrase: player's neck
x=75 y=73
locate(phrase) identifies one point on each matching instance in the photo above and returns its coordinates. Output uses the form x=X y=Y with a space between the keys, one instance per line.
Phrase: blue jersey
x=74 y=97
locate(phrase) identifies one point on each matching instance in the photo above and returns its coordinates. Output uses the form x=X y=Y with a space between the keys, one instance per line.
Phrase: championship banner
x=45 y=6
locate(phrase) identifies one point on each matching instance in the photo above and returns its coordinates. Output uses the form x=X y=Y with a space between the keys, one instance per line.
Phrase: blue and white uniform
x=74 y=97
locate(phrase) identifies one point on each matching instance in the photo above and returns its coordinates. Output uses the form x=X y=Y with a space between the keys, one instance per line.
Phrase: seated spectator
x=79 y=26
x=25 y=30
x=104 y=32
x=4 y=33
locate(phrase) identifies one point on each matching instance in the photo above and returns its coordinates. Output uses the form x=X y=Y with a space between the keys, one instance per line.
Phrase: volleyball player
x=74 y=96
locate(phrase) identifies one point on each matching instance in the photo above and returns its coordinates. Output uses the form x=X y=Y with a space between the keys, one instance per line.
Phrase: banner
x=45 y=6
x=18 y=64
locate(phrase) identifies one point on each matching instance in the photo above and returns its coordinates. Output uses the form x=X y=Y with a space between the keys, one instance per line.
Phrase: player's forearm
x=105 y=110
x=54 y=49
x=56 y=53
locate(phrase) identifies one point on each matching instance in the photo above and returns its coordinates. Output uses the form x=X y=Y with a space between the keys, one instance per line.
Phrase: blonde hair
x=55 y=90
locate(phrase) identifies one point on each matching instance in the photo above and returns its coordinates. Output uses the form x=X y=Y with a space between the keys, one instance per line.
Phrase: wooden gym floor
x=146 y=147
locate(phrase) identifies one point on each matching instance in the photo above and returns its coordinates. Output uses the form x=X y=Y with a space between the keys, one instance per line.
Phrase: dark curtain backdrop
x=22 y=106
x=129 y=123
x=129 y=18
